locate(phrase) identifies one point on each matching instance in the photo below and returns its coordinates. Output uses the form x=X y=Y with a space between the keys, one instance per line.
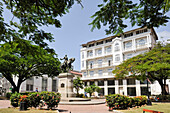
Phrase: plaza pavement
x=100 y=108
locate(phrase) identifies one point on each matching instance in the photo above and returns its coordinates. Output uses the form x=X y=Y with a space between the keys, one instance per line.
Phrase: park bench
x=151 y=111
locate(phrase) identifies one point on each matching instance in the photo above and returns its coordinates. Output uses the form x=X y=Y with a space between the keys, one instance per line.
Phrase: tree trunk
x=163 y=91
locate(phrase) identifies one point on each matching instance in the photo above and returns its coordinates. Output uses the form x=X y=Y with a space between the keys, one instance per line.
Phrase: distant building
x=99 y=58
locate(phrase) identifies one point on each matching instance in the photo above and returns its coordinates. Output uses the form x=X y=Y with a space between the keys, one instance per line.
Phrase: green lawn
x=16 y=110
x=163 y=107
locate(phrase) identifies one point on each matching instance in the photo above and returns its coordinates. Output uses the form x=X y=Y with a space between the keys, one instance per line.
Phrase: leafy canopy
x=113 y=13
x=155 y=64
x=16 y=60
x=78 y=84
x=29 y=16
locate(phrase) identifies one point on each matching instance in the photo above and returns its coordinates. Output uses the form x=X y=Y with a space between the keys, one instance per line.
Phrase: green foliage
x=91 y=89
x=51 y=99
x=15 y=99
x=155 y=63
x=16 y=60
x=78 y=84
x=113 y=14
x=118 y=101
x=34 y=99
x=8 y=95
x=163 y=97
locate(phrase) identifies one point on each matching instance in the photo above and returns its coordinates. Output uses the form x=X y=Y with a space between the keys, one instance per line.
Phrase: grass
x=162 y=107
x=16 y=110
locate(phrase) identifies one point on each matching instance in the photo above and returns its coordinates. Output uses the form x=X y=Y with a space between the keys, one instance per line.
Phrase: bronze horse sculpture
x=67 y=64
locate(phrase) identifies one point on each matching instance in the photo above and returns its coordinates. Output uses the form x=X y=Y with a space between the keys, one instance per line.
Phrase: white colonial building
x=99 y=58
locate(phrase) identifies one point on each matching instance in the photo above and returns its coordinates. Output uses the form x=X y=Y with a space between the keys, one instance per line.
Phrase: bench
x=151 y=111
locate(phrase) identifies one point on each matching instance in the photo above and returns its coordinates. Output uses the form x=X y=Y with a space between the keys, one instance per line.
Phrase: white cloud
x=164 y=34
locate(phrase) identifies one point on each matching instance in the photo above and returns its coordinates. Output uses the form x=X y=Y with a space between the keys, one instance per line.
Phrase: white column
x=116 y=87
x=49 y=86
x=105 y=88
x=125 y=86
x=134 y=44
x=138 y=91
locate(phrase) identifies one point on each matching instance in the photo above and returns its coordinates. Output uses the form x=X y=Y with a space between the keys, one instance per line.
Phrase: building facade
x=99 y=58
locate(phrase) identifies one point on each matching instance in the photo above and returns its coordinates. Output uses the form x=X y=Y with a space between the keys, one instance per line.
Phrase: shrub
x=15 y=99
x=80 y=95
x=118 y=101
x=163 y=97
x=51 y=99
x=34 y=99
x=8 y=95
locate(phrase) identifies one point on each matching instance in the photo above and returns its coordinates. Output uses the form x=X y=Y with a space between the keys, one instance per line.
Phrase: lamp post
x=149 y=103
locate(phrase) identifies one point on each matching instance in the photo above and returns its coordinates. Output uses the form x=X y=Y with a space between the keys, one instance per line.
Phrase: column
x=125 y=86
x=105 y=88
x=49 y=86
x=116 y=87
x=138 y=91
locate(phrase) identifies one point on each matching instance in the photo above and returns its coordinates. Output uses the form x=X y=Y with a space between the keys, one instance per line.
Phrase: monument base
x=66 y=85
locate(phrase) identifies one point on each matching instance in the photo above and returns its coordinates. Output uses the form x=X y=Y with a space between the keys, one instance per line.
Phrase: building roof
x=110 y=37
x=75 y=72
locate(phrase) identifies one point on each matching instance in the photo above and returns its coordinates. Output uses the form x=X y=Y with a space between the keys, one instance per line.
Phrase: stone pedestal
x=65 y=85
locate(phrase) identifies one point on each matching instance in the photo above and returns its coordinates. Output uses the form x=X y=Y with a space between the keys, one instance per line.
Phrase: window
x=144 y=91
x=128 y=35
x=110 y=71
x=108 y=49
x=141 y=31
x=84 y=74
x=99 y=43
x=101 y=92
x=98 y=52
x=110 y=82
x=100 y=72
x=131 y=91
x=141 y=42
x=111 y=90
x=120 y=81
x=91 y=82
x=44 y=84
x=82 y=64
x=91 y=45
x=91 y=73
x=128 y=45
x=117 y=57
x=108 y=40
x=100 y=83
x=85 y=83
x=100 y=63
x=128 y=56
x=117 y=47
x=109 y=62
x=82 y=55
x=91 y=64
x=54 y=85
x=89 y=53
x=131 y=81
x=29 y=87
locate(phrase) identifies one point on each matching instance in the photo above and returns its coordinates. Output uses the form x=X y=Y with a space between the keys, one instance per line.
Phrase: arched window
x=141 y=42
x=117 y=48
x=117 y=57
x=128 y=45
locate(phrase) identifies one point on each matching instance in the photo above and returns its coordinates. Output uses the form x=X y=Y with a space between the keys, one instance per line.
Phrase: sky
x=76 y=31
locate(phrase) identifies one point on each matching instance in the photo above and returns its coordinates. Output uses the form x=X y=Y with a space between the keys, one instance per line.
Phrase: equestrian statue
x=66 y=65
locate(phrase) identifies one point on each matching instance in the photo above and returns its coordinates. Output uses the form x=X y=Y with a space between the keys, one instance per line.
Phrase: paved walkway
x=101 y=108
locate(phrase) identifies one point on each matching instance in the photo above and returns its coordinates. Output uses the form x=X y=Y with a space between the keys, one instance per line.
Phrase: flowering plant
x=23 y=98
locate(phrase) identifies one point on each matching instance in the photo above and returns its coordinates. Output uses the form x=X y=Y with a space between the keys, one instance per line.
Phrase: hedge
x=117 y=101
x=51 y=99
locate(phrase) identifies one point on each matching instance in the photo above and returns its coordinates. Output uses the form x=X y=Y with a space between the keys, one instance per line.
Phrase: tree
x=29 y=16
x=155 y=64
x=17 y=61
x=78 y=84
x=113 y=13
x=92 y=88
